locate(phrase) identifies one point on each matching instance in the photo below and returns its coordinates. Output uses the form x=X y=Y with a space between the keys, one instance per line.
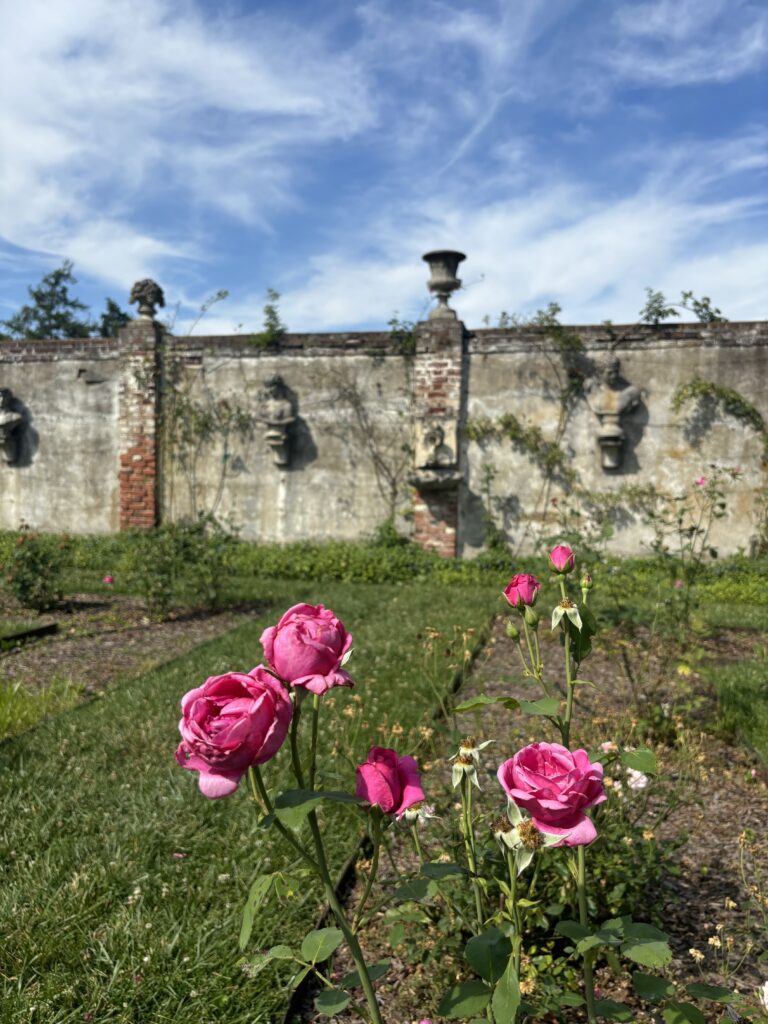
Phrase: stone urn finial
x=443 y=264
x=148 y=294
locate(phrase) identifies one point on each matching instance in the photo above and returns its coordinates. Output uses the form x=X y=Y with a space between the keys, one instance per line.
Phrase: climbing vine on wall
x=728 y=399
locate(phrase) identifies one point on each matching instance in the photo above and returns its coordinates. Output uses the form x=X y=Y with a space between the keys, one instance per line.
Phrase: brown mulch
x=725 y=793
x=106 y=638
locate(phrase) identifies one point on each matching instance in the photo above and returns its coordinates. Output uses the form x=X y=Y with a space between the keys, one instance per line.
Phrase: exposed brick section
x=435 y=520
x=437 y=383
x=139 y=506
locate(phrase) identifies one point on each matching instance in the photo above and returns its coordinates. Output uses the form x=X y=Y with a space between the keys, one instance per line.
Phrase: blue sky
x=575 y=150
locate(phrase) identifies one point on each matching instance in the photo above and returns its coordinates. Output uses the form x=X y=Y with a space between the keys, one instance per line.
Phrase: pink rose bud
x=701 y=481
x=307 y=648
x=108 y=578
x=562 y=559
x=390 y=782
x=556 y=786
x=230 y=723
x=522 y=590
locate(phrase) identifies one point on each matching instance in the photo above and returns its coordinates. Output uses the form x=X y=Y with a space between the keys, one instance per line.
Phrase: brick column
x=438 y=368
x=138 y=424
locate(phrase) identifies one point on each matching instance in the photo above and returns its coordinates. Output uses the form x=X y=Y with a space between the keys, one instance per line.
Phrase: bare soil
x=106 y=638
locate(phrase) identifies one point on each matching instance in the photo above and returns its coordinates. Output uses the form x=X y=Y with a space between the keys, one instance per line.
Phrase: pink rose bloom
x=555 y=786
x=307 y=648
x=701 y=481
x=230 y=723
x=390 y=782
x=562 y=559
x=522 y=590
x=109 y=578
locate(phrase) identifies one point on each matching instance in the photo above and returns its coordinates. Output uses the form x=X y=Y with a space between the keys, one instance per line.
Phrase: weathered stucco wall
x=516 y=372
x=351 y=397
x=362 y=406
x=66 y=473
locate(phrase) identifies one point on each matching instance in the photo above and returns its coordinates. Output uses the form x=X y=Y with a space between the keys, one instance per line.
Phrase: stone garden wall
x=361 y=426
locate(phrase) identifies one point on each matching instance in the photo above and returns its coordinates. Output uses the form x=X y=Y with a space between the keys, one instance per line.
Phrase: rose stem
x=589 y=990
x=566 y=727
x=313 y=743
x=344 y=925
x=469 y=843
x=321 y=865
x=517 y=942
x=259 y=790
x=376 y=829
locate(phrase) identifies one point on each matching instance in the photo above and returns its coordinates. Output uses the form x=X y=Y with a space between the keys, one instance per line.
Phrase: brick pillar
x=138 y=424
x=438 y=388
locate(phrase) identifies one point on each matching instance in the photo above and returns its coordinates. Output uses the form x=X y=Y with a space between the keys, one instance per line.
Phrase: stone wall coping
x=623 y=337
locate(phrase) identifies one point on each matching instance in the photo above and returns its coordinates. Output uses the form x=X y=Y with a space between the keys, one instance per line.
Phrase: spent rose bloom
x=555 y=786
x=522 y=590
x=307 y=648
x=230 y=723
x=562 y=559
x=390 y=782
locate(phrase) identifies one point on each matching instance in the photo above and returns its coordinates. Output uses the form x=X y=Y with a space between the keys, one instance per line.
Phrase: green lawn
x=121 y=886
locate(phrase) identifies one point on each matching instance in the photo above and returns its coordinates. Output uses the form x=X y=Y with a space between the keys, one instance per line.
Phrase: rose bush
x=556 y=786
x=522 y=590
x=307 y=648
x=230 y=723
x=390 y=782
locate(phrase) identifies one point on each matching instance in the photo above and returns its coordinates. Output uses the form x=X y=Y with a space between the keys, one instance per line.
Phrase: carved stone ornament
x=276 y=412
x=613 y=398
x=9 y=424
x=149 y=295
x=443 y=264
x=435 y=460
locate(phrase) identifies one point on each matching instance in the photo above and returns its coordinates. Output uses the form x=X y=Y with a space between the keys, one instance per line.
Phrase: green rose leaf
x=281 y=953
x=572 y=930
x=489 y=953
x=375 y=971
x=506 y=995
x=716 y=993
x=464 y=1000
x=331 y=1002
x=683 y=1013
x=613 y=1010
x=549 y=706
x=258 y=892
x=642 y=760
x=298 y=977
x=652 y=987
x=319 y=944
x=645 y=945
x=570 y=999
x=482 y=700
x=441 y=871
x=419 y=889
x=292 y=806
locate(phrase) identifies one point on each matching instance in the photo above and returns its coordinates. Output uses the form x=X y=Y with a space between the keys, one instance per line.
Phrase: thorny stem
x=469 y=843
x=295 y=759
x=259 y=791
x=313 y=742
x=517 y=939
x=376 y=829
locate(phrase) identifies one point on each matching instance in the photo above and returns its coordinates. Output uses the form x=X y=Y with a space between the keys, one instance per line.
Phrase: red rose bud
x=562 y=559
x=586 y=582
x=522 y=590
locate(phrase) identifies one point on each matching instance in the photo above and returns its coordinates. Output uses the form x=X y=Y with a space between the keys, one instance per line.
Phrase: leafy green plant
x=274 y=328
x=33 y=569
x=658 y=309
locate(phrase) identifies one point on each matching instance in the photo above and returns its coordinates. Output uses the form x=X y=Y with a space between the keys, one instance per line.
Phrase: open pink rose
x=307 y=648
x=390 y=782
x=555 y=786
x=562 y=559
x=522 y=590
x=230 y=723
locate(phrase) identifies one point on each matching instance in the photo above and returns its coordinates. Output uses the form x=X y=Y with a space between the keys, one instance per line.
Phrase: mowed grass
x=122 y=887
x=742 y=691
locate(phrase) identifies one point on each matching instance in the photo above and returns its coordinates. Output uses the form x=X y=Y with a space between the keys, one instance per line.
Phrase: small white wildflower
x=636 y=780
